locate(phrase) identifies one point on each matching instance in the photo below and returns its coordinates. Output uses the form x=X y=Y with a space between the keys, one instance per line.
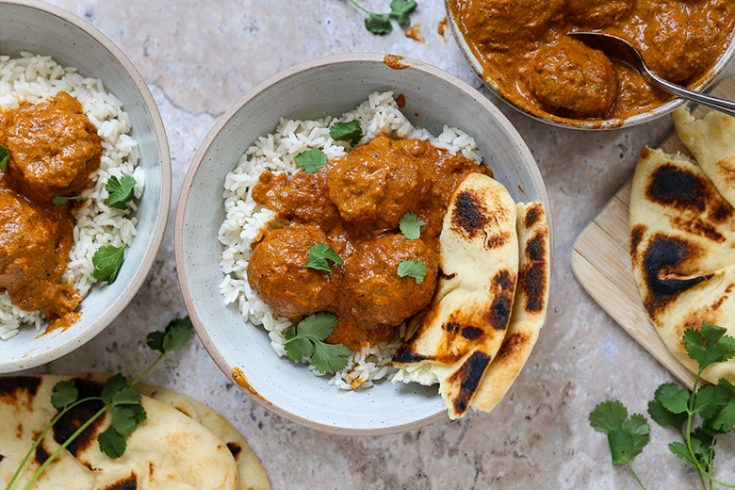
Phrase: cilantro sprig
x=712 y=407
x=118 y=396
x=348 y=131
x=120 y=191
x=380 y=23
x=306 y=340
x=107 y=261
x=412 y=268
x=311 y=160
x=63 y=200
x=410 y=225
x=4 y=156
x=319 y=257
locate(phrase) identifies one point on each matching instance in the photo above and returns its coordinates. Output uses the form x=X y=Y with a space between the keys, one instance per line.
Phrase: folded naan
x=529 y=307
x=167 y=451
x=466 y=323
x=682 y=245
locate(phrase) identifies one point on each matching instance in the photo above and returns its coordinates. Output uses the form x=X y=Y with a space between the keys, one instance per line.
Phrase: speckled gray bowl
x=313 y=90
x=43 y=29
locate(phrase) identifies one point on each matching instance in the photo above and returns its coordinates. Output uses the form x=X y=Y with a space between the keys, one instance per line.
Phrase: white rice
x=32 y=78
x=245 y=218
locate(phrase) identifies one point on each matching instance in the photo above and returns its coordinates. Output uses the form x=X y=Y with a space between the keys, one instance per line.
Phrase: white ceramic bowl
x=313 y=90
x=43 y=29
x=702 y=84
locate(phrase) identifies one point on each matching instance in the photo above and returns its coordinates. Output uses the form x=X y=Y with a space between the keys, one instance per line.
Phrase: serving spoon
x=621 y=50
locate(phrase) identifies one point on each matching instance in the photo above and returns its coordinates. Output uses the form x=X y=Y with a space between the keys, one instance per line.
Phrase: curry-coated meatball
x=277 y=272
x=571 y=79
x=598 y=13
x=679 y=41
x=374 y=185
x=379 y=295
x=499 y=24
x=54 y=147
x=34 y=247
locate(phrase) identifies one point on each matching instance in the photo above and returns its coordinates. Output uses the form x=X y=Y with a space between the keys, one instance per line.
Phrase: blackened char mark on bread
x=19 y=390
x=533 y=274
x=470 y=216
x=128 y=483
x=74 y=418
x=468 y=378
x=502 y=290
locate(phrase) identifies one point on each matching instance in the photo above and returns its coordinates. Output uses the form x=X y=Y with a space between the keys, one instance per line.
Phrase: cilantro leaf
x=111 y=443
x=673 y=397
x=710 y=400
x=410 y=225
x=709 y=345
x=680 y=450
x=663 y=417
x=123 y=420
x=62 y=200
x=176 y=334
x=107 y=261
x=412 y=268
x=298 y=348
x=318 y=326
x=347 y=131
x=725 y=420
x=64 y=394
x=126 y=396
x=703 y=445
x=4 y=156
x=329 y=358
x=378 y=24
x=608 y=416
x=311 y=160
x=120 y=191
x=112 y=386
x=403 y=6
x=319 y=255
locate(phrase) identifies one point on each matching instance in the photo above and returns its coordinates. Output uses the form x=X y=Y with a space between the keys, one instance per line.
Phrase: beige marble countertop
x=198 y=57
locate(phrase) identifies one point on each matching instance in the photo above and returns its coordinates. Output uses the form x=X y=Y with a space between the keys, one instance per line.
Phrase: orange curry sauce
x=354 y=204
x=525 y=51
x=53 y=150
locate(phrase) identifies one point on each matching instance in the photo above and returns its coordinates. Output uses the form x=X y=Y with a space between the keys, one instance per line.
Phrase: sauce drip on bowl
x=525 y=51
x=53 y=150
x=354 y=204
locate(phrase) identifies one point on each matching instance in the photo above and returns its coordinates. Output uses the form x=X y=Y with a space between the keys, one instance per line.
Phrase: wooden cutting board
x=601 y=263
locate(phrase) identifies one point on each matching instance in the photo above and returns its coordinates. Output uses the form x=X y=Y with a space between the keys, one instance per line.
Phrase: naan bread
x=712 y=142
x=529 y=307
x=251 y=471
x=682 y=245
x=466 y=323
x=167 y=451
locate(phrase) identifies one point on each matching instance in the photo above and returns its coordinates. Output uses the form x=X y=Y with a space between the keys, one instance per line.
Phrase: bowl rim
x=198 y=160
x=704 y=82
x=118 y=305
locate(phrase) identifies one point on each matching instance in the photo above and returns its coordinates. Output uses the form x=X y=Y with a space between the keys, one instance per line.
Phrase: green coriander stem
x=635 y=476
x=688 y=433
x=148 y=369
x=42 y=436
x=66 y=443
x=715 y=480
x=360 y=7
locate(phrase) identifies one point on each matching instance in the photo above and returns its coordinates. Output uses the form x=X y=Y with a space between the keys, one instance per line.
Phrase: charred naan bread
x=529 y=307
x=466 y=323
x=682 y=245
x=712 y=142
x=167 y=451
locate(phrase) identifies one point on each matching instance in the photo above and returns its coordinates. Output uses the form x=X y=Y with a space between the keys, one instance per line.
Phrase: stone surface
x=199 y=57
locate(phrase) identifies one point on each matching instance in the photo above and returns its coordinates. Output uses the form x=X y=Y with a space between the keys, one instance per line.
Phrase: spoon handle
x=722 y=105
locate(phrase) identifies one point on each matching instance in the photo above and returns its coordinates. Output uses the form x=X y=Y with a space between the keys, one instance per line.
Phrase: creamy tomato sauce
x=354 y=204
x=525 y=50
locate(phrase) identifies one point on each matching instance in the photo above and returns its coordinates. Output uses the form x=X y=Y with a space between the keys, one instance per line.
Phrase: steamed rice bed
x=245 y=218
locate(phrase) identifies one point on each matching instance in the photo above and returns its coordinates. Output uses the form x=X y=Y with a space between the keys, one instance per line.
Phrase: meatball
x=374 y=185
x=571 y=79
x=500 y=24
x=378 y=296
x=34 y=247
x=598 y=13
x=54 y=147
x=681 y=43
x=277 y=272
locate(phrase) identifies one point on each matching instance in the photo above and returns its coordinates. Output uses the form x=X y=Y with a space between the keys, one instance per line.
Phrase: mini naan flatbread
x=466 y=323
x=682 y=245
x=167 y=451
x=712 y=142
x=529 y=308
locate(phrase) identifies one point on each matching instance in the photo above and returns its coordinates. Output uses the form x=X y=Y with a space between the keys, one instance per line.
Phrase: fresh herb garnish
x=319 y=257
x=62 y=200
x=306 y=340
x=349 y=131
x=678 y=408
x=410 y=225
x=412 y=268
x=118 y=396
x=4 y=156
x=120 y=191
x=380 y=24
x=311 y=160
x=107 y=261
